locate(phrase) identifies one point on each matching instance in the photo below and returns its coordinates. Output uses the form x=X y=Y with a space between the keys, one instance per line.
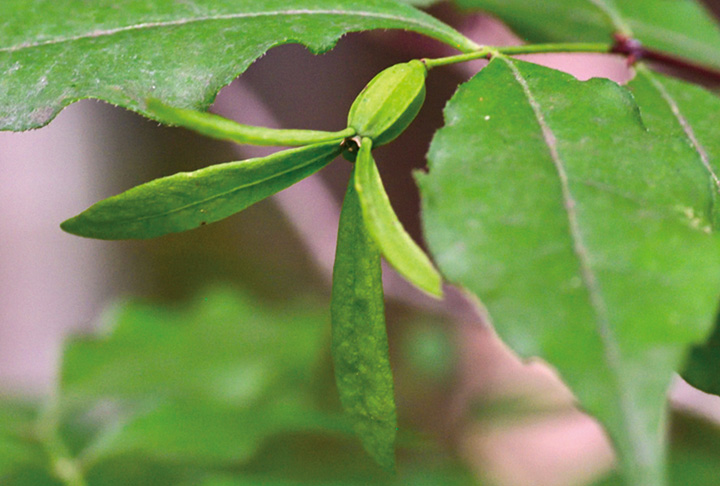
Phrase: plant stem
x=484 y=52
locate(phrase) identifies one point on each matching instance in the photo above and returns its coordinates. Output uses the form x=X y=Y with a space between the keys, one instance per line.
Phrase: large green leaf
x=585 y=235
x=359 y=340
x=681 y=27
x=124 y=51
x=188 y=200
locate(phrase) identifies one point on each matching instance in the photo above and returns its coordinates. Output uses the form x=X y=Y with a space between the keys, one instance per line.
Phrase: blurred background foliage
x=225 y=389
x=209 y=364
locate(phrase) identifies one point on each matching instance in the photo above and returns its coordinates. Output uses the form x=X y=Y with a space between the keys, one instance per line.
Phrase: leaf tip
x=71 y=226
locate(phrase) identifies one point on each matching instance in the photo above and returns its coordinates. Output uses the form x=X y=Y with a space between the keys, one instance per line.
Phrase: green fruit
x=389 y=103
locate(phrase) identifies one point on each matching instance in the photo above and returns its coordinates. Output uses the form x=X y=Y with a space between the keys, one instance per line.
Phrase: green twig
x=486 y=52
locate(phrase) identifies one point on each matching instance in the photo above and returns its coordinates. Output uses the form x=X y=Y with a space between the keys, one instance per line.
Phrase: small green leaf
x=221 y=128
x=191 y=199
x=382 y=223
x=359 y=340
x=180 y=52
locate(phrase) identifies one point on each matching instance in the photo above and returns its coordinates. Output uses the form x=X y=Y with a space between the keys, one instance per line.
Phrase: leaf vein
x=605 y=331
x=230 y=192
x=684 y=123
x=615 y=18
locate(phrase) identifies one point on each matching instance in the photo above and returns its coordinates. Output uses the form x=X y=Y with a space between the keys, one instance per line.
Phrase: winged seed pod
x=389 y=102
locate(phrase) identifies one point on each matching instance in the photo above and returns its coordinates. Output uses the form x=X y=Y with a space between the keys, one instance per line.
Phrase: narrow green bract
x=382 y=223
x=188 y=200
x=359 y=340
x=221 y=128
x=389 y=103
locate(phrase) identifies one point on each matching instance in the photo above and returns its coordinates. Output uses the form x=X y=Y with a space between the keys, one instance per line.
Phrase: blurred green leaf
x=188 y=200
x=32 y=476
x=702 y=369
x=202 y=384
x=681 y=27
x=359 y=339
x=586 y=236
x=125 y=51
x=137 y=470
x=206 y=433
x=431 y=472
x=695 y=453
x=18 y=443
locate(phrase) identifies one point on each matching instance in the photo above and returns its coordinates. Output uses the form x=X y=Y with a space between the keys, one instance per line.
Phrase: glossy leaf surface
x=682 y=27
x=586 y=236
x=359 y=339
x=216 y=126
x=188 y=200
x=382 y=223
x=182 y=53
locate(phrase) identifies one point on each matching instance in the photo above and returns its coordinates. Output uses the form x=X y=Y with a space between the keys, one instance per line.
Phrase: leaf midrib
x=223 y=17
x=222 y=194
x=597 y=302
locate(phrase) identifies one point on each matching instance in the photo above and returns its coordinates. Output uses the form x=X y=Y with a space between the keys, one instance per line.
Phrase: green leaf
x=203 y=384
x=224 y=347
x=181 y=53
x=221 y=128
x=209 y=434
x=585 y=235
x=188 y=200
x=685 y=111
x=702 y=369
x=386 y=230
x=695 y=454
x=681 y=27
x=359 y=340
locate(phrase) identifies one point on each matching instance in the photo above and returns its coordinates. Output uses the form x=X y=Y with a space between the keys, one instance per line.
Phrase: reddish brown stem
x=635 y=51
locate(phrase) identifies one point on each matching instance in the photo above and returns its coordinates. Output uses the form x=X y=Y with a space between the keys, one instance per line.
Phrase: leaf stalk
x=488 y=51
